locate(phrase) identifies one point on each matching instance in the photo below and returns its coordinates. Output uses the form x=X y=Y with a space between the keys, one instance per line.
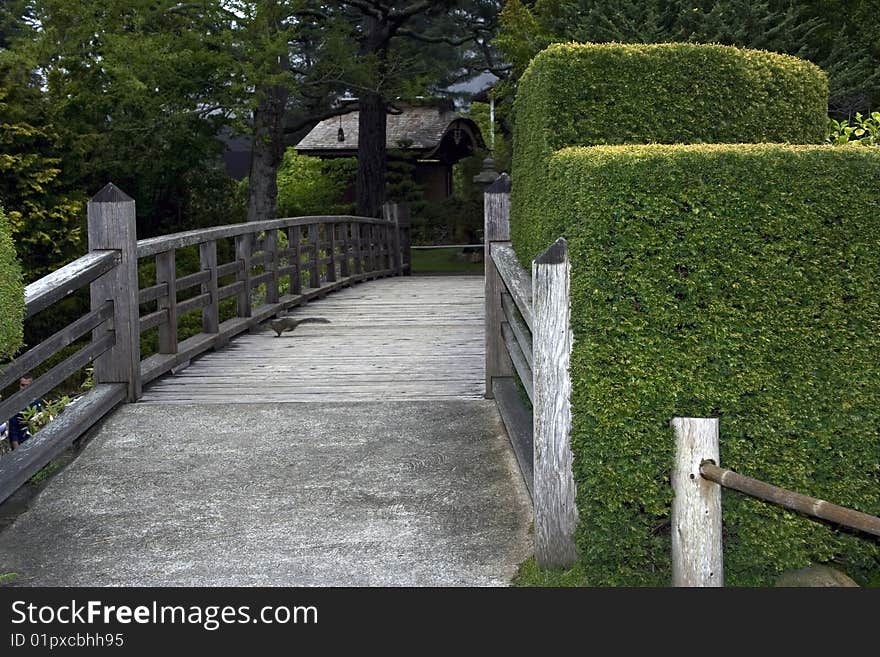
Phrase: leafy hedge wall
x=673 y=93
x=738 y=282
x=11 y=294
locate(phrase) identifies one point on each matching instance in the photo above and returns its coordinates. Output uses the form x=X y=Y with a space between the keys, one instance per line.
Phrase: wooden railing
x=528 y=336
x=281 y=263
x=697 y=480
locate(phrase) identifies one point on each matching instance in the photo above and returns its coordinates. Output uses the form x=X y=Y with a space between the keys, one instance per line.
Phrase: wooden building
x=437 y=135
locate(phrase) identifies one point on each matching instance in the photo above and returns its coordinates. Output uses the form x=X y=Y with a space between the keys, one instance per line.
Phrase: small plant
x=39 y=418
x=864 y=132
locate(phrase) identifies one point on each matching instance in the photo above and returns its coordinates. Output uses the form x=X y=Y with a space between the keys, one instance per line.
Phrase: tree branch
x=434 y=39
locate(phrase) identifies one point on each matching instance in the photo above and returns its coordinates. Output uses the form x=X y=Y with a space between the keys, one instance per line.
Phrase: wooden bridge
x=358 y=451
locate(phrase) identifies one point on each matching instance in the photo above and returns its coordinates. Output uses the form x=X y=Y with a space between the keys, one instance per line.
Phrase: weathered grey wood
x=520 y=330
x=194 y=303
x=154 y=245
x=231 y=290
x=355 y=233
x=522 y=368
x=294 y=238
x=52 y=345
x=148 y=294
x=192 y=280
x=556 y=515
x=112 y=225
x=397 y=338
x=389 y=213
x=47 y=381
x=152 y=320
x=266 y=277
x=331 y=252
x=404 y=229
x=271 y=266
x=229 y=268
x=345 y=248
x=17 y=467
x=696 y=508
x=243 y=255
x=516 y=279
x=166 y=273
x=518 y=421
x=68 y=279
x=496 y=213
x=211 y=312
x=811 y=506
x=314 y=256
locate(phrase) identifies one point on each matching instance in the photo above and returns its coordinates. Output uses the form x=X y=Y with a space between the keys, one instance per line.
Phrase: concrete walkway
x=404 y=478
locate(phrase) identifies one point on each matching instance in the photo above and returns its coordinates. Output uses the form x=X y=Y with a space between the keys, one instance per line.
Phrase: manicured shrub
x=11 y=294
x=731 y=281
x=673 y=93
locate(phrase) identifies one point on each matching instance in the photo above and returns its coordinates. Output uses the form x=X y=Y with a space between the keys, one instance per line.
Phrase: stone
x=814 y=576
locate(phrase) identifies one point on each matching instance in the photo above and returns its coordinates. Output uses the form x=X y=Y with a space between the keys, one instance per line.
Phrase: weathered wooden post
x=211 y=312
x=243 y=244
x=556 y=515
x=166 y=272
x=270 y=264
x=390 y=212
x=496 y=212
x=696 y=509
x=112 y=226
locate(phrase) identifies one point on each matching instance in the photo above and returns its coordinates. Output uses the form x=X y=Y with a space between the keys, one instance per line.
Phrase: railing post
x=243 y=254
x=166 y=272
x=404 y=227
x=330 y=234
x=696 y=508
x=556 y=515
x=344 y=268
x=397 y=215
x=496 y=212
x=211 y=312
x=294 y=240
x=314 y=256
x=355 y=232
x=270 y=253
x=112 y=225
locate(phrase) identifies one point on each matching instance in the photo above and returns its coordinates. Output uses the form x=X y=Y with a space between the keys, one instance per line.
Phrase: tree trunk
x=371 y=155
x=267 y=152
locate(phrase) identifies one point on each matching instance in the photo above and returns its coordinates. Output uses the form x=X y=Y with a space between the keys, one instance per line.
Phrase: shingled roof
x=416 y=128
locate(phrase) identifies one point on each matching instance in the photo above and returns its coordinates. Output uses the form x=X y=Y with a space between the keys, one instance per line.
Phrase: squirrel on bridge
x=289 y=323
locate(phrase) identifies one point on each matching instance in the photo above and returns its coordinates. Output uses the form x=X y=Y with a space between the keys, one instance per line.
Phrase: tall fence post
x=391 y=213
x=556 y=515
x=112 y=226
x=696 y=509
x=496 y=212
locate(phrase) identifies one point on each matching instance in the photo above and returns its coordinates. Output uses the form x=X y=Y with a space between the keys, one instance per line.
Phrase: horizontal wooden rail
x=48 y=443
x=71 y=277
x=152 y=293
x=191 y=280
x=156 y=245
x=517 y=280
x=153 y=320
x=520 y=330
x=52 y=345
x=48 y=381
x=805 y=504
x=523 y=370
x=428 y=247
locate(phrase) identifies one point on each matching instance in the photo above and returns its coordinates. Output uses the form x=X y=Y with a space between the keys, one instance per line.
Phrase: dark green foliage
x=311 y=186
x=735 y=281
x=11 y=294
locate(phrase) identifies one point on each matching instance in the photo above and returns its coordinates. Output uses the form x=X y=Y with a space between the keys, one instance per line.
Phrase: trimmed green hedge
x=11 y=294
x=733 y=281
x=672 y=93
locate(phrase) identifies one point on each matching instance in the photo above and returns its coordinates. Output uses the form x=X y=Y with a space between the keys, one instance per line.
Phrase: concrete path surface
x=288 y=494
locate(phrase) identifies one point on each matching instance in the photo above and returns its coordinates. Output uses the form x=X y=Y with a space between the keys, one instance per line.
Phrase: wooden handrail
x=154 y=245
x=55 y=286
x=811 y=506
x=517 y=279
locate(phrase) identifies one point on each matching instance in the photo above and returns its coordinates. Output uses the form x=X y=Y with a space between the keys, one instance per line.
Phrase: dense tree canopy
x=841 y=36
